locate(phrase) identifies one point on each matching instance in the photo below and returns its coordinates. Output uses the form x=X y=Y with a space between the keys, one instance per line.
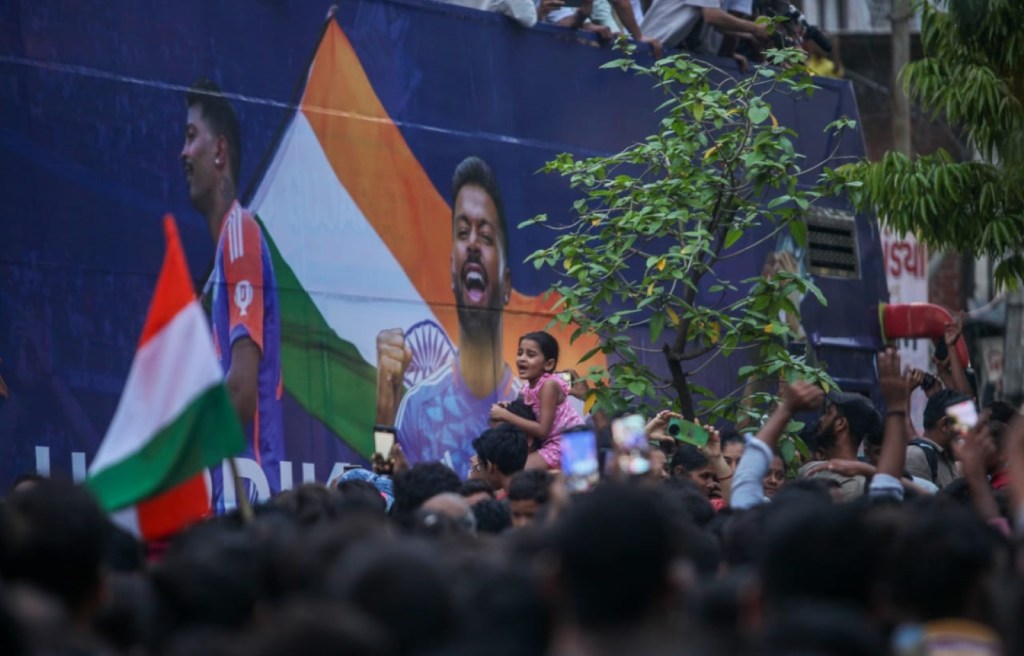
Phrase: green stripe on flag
x=325 y=373
x=205 y=433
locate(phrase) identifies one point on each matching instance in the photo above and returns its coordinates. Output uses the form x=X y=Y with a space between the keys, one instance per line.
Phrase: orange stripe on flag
x=173 y=289
x=171 y=511
x=382 y=175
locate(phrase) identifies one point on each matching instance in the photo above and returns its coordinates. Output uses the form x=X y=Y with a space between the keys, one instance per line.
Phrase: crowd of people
x=884 y=542
x=727 y=28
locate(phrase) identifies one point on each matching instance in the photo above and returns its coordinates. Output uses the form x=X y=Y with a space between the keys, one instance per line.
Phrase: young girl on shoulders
x=546 y=394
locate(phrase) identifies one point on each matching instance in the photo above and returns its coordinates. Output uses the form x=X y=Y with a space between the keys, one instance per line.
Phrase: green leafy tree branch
x=643 y=247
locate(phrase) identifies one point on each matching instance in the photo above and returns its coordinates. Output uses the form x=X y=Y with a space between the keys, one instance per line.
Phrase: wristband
x=895 y=413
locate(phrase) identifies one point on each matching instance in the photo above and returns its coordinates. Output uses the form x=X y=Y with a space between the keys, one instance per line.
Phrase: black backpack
x=929 y=453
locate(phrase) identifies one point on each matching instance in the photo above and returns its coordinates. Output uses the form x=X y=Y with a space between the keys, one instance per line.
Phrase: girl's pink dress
x=565 y=417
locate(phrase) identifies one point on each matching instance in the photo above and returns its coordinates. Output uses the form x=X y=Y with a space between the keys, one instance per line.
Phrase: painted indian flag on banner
x=174 y=418
x=361 y=242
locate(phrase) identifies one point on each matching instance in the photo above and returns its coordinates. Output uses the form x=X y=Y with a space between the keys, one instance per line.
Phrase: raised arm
x=895 y=391
x=748 y=482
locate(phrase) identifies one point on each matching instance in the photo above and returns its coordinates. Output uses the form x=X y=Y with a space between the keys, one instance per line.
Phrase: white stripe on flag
x=170 y=370
x=340 y=260
x=128 y=519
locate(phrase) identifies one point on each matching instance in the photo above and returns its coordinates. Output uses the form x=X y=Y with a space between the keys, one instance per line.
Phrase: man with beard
x=848 y=418
x=438 y=419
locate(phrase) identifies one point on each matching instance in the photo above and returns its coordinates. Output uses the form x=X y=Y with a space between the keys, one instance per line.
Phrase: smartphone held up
x=579 y=460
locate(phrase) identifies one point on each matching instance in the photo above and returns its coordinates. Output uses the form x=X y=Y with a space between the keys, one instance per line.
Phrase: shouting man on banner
x=241 y=293
x=438 y=419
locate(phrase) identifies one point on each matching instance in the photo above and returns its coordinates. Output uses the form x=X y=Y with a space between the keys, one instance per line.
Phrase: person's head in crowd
x=476 y=490
x=492 y=516
x=847 y=419
x=733 y=445
x=421 y=482
x=317 y=629
x=776 y=477
x=602 y=531
x=452 y=506
x=689 y=462
x=938 y=426
x=405 y=586
x=942 y=565
x=519 y=408
x=359 y=496
x=1000 y=411
x=55 y=539
x=309 y=503
x=25 y=481
x=213 y=575
x=126 y=619
x=658 y=461
x=690 y=500
x=873 y=447
x=500 y=453
x=537 y=355
x=830 y=543
x=528 y=492
x=821 y=629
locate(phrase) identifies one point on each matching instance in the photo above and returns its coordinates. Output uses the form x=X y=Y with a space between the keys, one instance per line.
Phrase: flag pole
x=241 y=496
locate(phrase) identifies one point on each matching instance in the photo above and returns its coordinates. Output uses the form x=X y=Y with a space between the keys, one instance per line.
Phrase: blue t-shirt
x=440 y=417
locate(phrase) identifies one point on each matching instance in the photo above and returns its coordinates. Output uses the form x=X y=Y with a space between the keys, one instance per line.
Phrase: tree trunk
x=679 y=383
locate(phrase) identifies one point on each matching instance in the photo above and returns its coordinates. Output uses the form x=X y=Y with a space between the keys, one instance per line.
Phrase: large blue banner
x=352 y=131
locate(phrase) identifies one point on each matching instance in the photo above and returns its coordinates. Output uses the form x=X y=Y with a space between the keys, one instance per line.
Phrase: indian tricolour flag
x=174 y=418
x=361 y=242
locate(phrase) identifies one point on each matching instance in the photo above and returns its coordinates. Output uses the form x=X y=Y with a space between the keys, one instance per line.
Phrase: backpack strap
x=929 y=453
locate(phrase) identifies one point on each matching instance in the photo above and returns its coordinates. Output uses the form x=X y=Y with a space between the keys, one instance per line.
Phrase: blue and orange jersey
x=243 y=299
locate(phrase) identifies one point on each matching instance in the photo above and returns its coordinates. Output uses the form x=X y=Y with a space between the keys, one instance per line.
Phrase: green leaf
x=798 y=229
x=657 y=326
x=759 y=114
x=732 y=237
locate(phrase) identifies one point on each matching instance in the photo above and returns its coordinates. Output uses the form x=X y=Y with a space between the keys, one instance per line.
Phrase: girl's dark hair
x=548 y=344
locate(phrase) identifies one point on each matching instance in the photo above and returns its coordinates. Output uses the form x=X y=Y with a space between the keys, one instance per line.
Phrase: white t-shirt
x=671 y=21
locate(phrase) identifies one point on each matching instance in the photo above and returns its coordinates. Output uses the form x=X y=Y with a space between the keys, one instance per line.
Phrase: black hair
x=733 y=438
x=317 y=628
x=823 y=629
x=941 y=558
x=212 y=575
x=422 y=481
x=935 y=409
x=309 y=503
x=690 y=500
x=357 y=495
x=475 y=171
x=1001 y=411
x=548 y=344
x=492 y=516
x=220 y=116
x=405 y=586
x=521 y=408
x=476 y=486
x=530 y=484
x=831 y=544
x=505 y=446
x=59 y=543
x=688 y=457
x=601 y=531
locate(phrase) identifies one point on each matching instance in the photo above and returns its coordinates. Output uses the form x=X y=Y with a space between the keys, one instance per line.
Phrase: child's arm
x=550 y=395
